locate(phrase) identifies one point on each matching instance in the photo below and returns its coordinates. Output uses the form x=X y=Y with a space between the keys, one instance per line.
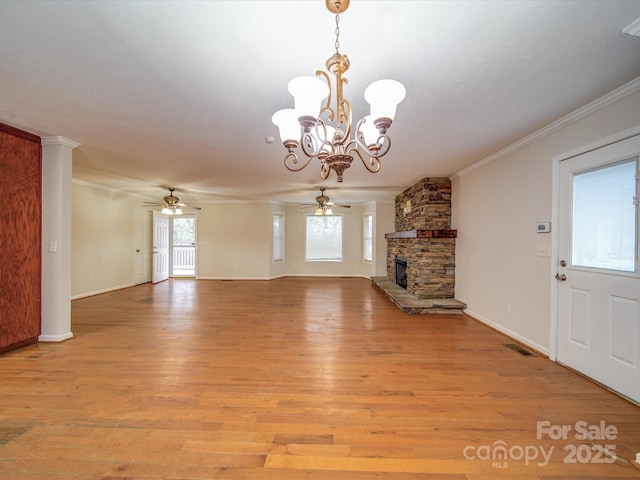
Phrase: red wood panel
x=20 y=237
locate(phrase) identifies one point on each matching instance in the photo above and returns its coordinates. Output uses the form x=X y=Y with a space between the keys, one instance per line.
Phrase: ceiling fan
x=323 y=204
x=171 y=205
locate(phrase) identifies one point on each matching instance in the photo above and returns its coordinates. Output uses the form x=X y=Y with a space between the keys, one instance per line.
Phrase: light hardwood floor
x=295 y=378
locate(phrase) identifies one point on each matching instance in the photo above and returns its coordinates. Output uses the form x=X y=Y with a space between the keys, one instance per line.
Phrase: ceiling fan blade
x=187 y=206
x=307 y=206
x=155 y=204
x=340 y=205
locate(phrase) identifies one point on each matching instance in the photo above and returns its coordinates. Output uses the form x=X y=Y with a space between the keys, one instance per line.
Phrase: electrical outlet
x=507 y=308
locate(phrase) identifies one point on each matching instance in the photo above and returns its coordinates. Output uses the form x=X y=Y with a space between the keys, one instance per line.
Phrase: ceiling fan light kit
x=323 y=204
x=171 y=205
x=307 y=124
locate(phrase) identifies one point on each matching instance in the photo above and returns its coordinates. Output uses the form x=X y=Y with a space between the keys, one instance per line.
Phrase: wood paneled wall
x=20 y=237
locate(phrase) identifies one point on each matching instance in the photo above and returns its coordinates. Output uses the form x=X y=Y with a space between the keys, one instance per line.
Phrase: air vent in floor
x=519 y=349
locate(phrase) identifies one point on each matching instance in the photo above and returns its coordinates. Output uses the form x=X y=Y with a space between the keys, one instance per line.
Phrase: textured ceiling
x=181 y=93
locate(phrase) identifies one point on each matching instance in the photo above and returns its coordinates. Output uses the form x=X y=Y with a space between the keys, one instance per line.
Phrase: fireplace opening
x=401 y=271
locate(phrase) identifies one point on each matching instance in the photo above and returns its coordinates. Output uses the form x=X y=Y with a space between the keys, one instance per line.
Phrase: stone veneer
x=423 y=236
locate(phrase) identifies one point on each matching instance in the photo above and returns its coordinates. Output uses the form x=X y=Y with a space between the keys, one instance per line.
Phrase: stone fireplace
x=423 y=240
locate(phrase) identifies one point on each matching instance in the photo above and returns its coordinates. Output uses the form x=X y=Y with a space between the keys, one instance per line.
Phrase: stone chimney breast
x=424 y=238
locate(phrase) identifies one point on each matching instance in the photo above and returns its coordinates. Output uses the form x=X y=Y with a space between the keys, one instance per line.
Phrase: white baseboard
x=357 y=275
x=98 y=292
x=55 y=338
x=236 y=278
x=516 y=336
x=320 y=275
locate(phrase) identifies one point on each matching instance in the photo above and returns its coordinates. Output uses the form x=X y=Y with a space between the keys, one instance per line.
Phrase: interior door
x=143 y=230
x=599 y=282
x=160 y=250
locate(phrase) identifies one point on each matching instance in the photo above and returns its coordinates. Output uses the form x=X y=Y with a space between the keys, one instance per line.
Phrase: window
x=604 y=218
x=367 y=237
x=324 y=238
x=278 y=237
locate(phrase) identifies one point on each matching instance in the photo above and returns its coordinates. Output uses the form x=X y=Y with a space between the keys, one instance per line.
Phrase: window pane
x=278 y=237
x=604 y=218
x=184 y=230
x=367 y=246
x=324 y=237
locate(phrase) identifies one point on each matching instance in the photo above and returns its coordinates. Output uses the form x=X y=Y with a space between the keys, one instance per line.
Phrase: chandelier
x=309 y=124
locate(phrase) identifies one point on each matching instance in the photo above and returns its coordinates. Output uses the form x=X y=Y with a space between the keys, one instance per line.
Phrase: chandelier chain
x=337 y=33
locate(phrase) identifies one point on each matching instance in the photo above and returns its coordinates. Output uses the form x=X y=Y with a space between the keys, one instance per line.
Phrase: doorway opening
x=183 y=246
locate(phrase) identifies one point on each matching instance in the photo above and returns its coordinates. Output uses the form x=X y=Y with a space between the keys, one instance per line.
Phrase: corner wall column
x=57 y=159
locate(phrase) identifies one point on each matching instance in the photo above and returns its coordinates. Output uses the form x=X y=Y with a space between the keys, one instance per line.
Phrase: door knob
x=562 y=277
x=137 y=250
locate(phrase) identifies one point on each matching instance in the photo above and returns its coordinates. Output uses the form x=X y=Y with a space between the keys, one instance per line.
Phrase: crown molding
x=107 y=189
x=633 y=28
x=602 y=102
x=60 y=141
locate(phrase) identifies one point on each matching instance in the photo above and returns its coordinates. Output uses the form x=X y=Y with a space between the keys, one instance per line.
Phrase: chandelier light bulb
x=287 y=122
x=308 y=93
x=384 y=97
x=324 y=142
x=369 y=131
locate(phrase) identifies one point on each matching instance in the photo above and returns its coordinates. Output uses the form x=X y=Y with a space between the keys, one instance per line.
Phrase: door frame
x=555 y=206
x=195 y=243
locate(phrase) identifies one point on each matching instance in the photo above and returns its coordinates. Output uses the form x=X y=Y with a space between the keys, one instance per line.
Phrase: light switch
x=53 y=246
x=543 y=250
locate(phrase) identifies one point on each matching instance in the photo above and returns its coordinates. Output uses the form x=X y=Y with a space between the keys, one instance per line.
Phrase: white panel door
x=599 y=282
x=160 y=247
x=143 y=227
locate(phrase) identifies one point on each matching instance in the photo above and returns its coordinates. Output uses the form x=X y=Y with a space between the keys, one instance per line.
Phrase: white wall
x=235 y=241
x=384 y=222
x=101 y=240
x=495 y=208
x=352 y=264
